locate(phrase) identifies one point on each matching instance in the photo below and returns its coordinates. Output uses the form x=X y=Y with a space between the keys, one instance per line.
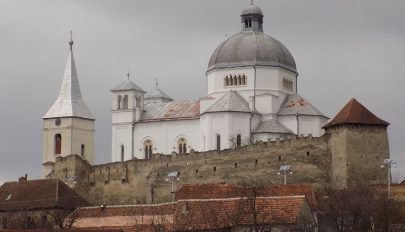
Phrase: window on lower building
x=148 y=147
x=122 y=152
x=182 y=146
x=218 y=142
x=239 y=140
x=82 y=150
x=58 y=144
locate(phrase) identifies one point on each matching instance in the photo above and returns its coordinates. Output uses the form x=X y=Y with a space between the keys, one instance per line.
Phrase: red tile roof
x=355 y=113
x=225 y=213
x=39 y=194
x=216 y=191
x=197 y=214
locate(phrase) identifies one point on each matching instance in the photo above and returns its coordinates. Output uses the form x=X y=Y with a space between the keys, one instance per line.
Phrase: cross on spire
x=71 y=40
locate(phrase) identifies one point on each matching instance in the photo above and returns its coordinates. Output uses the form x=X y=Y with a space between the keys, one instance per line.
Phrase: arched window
x=218 y=142
x=239 y=140
x=239 y=80
x=58 y=144
x=243 y=80
x=125 y=102
x=246 y=23
x=235 y=80
x=138 y=101
x=119 y=102
x=82 y=150
x=230 y=80
x=148 y=147
x=250 y=23
x=182 y=146
x=122 y=152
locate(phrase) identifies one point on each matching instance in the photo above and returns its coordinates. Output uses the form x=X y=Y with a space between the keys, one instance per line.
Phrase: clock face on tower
x=57 y=122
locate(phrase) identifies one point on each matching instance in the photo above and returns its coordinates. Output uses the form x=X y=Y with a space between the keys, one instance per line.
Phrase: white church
x=251 y=96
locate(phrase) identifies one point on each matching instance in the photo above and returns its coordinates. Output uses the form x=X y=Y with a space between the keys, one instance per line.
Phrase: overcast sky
x=343 y=49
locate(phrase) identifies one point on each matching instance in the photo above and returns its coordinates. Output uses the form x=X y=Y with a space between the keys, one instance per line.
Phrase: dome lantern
x=252 y=18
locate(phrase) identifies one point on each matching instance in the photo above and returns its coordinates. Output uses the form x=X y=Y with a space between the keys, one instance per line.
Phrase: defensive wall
x=314 y=160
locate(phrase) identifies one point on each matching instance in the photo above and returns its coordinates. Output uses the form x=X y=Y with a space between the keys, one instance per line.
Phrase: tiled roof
x=224 y=213
x=38 y=194
x=294 y=104
x=196 y=214
x=70 y=102
x=272 y=126
x=216 y=191
x=127 y=85
x=231 y=101
x=174 y=110
x=355 y=113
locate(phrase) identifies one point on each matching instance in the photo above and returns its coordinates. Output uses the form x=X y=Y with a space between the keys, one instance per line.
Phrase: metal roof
x=252 y=9
x=272 y=126
x=157 y=93
x=70 y=102
x=174 y=110
x=231 y=101
x=251 y=47
x=295 y=104
x=127 y=85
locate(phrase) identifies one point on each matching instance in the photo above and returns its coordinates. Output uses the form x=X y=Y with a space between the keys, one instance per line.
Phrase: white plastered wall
x=74 y=132
x=165 y=135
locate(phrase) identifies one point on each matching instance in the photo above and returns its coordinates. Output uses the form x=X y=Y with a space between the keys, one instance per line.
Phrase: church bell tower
x=68 y=126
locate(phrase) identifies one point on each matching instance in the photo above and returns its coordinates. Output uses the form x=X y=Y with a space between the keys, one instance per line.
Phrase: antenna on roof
x=71 y=40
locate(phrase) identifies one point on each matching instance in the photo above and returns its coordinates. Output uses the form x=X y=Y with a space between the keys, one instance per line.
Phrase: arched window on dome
x=125 y=102
x=246 y=23
x=243 y=80
x=249 y=23
x=218 y=142
x=182 y=146
x=235 y=80
x=119 y=102
x=58 y=144
x=148 y=148
x=239 y=80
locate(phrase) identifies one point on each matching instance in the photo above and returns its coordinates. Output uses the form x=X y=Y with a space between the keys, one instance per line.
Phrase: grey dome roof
x=252 y=9
x=251 y=47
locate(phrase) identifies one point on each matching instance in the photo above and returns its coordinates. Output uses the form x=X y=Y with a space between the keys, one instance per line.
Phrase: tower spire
x=128 y=75
x=71 y=40
x=251 y=2
x=156 y=82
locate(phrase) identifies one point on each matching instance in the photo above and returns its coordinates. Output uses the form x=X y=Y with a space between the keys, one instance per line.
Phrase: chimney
x=23 y=179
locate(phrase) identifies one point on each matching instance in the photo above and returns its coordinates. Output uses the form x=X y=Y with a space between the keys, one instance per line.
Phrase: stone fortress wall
x=314 y=160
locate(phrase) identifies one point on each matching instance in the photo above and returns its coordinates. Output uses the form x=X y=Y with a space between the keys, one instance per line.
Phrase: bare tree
x=360 y=208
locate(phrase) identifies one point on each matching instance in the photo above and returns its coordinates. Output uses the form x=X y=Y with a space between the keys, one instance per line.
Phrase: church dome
x=251 y=46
